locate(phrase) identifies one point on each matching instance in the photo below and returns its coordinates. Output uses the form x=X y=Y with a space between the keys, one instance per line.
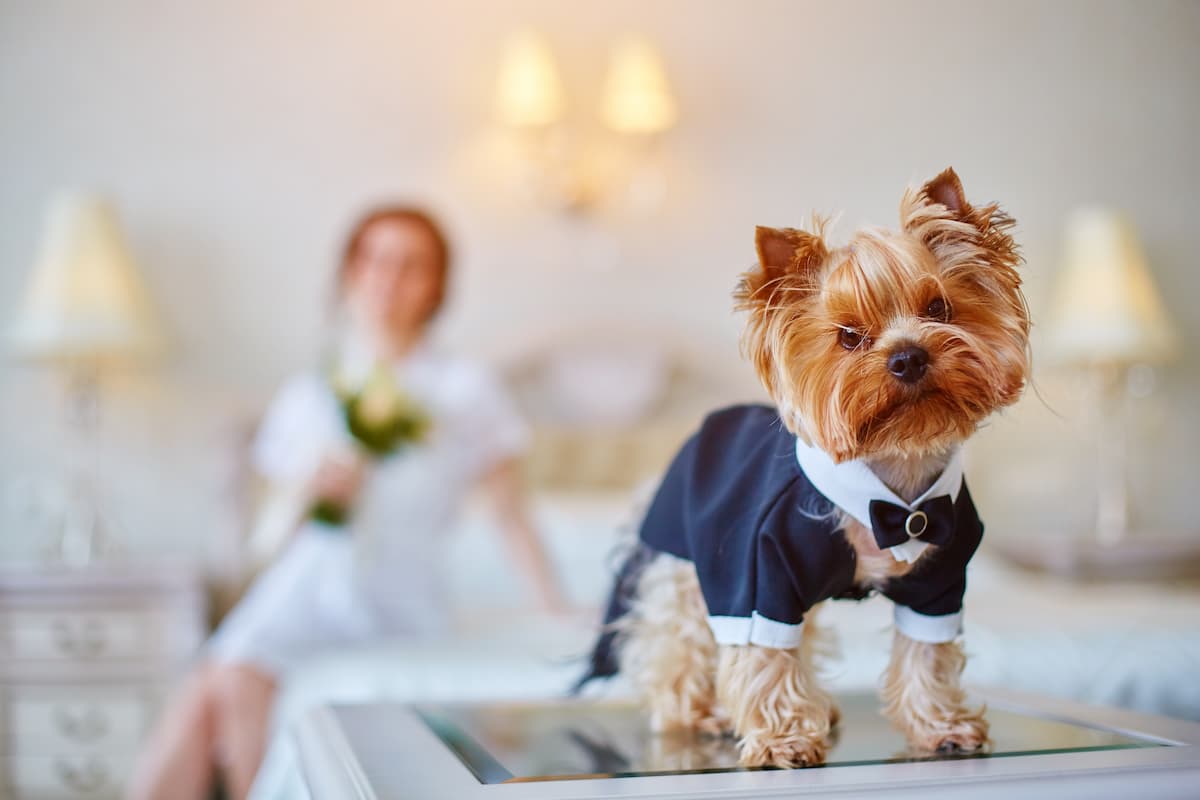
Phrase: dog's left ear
x=939 y=215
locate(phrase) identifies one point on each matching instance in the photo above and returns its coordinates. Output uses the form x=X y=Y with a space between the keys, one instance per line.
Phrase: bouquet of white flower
x=382 y=420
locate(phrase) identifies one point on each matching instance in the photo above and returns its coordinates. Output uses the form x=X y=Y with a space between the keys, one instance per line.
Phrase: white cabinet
x=86 y=657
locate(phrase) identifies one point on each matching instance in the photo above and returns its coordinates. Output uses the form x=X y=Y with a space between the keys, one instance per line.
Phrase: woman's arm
x=506 y=493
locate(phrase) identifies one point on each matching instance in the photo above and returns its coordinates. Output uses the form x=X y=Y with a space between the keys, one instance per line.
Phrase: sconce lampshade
x=85 y=299
x=529 y=92
x=637 y=94
x=1107 y=309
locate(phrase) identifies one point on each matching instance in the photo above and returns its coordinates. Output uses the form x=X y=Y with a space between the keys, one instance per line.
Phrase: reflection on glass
x=516 y=743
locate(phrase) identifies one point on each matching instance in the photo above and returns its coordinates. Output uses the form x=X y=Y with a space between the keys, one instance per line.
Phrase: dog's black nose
x=908 y=363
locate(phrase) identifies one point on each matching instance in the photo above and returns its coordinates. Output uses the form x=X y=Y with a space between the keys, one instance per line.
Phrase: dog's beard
x=930 y=421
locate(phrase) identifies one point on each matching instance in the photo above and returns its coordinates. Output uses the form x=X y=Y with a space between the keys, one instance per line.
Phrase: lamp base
x=1134 y=558
x=82 y=545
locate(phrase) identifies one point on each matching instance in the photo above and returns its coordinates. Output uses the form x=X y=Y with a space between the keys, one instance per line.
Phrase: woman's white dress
x=381 y=575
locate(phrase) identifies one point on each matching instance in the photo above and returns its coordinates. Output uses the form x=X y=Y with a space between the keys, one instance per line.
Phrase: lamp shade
x=85 y=299
x=529 y=91
x=1107 y=309
x=637 y=94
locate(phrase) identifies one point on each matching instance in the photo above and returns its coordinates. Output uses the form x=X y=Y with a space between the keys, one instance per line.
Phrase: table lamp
x=84 y=311
x=1107 y=311
x=1108 y=320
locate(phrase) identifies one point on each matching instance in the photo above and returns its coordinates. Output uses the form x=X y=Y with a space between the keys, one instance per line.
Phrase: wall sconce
x=529 y=92
x=637 y=95
x=637 y=105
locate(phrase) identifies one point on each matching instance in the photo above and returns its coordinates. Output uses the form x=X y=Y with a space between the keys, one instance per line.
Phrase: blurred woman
x=364 y=562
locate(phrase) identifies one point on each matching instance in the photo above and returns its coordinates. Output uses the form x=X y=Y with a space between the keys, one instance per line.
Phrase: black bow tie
x=931 y=522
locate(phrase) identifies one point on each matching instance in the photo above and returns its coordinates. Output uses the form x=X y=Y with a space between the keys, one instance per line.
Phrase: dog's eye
x=850 y=338
x=937 y=309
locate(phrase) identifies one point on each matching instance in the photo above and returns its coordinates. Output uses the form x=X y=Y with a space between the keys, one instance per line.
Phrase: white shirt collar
x=851 y=486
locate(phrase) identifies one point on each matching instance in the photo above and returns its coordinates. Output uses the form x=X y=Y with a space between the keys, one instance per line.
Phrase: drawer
x=77 y=720
x=84 y=635
x=94 y=777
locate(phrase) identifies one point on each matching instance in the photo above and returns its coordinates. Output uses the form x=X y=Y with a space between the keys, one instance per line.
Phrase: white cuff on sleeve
x=755 y=629
x=924 y=628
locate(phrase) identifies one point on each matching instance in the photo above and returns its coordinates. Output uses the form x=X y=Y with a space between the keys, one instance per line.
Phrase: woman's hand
x=338 y=478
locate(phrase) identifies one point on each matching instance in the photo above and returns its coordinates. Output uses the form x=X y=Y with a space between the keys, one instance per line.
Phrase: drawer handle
x=87 y=726
x=87 y=640
x=91 y=777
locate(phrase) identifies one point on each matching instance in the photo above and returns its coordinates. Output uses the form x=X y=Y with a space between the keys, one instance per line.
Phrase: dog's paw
x=965 y=736
x=784 y=752
x=968 y=734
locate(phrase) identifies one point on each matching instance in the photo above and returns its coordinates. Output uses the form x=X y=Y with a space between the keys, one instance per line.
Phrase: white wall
x=240 y=138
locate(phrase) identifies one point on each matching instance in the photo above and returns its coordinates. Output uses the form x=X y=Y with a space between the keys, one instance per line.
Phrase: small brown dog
x=882 y=357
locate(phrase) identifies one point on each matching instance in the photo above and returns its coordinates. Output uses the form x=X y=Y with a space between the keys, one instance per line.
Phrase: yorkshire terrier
x=882 y=357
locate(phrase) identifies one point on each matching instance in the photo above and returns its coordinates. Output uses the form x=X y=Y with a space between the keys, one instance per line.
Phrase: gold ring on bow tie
x=916 y=516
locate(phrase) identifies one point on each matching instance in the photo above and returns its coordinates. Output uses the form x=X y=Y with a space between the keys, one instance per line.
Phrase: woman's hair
x=407 y=215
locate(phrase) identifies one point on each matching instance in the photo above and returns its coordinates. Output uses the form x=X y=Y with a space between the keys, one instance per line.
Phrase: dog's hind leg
x=668 y=650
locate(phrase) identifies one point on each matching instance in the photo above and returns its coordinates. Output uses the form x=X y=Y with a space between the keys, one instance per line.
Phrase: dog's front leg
x=777 y=709
x=922 y=696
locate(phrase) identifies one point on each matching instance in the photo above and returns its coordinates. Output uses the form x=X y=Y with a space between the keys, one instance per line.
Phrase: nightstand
x=86 y=657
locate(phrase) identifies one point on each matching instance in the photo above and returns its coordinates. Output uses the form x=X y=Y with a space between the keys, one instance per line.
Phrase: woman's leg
x=219 y=720
x=177 y=761
x=244 y=697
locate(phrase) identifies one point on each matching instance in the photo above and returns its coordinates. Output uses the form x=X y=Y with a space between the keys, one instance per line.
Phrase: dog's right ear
x=786 y=257
x=788 y=264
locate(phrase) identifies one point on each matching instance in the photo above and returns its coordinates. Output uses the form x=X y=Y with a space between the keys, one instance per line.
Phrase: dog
x=881 y=357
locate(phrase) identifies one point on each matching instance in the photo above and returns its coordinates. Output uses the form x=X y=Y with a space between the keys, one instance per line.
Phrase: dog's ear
x=786 y=256
x=939 y=215
x=787 y=250
x=947 y=189
x=786 y=272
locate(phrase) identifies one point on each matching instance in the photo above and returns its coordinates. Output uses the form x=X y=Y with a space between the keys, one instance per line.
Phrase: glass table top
x=509 y=743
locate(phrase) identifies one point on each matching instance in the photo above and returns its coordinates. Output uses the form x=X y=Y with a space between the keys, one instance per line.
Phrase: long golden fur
x=822 y=322
x=688 y=683
x=670 y=652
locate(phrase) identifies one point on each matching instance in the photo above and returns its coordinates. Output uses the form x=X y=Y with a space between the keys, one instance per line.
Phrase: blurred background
x=597 y=241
